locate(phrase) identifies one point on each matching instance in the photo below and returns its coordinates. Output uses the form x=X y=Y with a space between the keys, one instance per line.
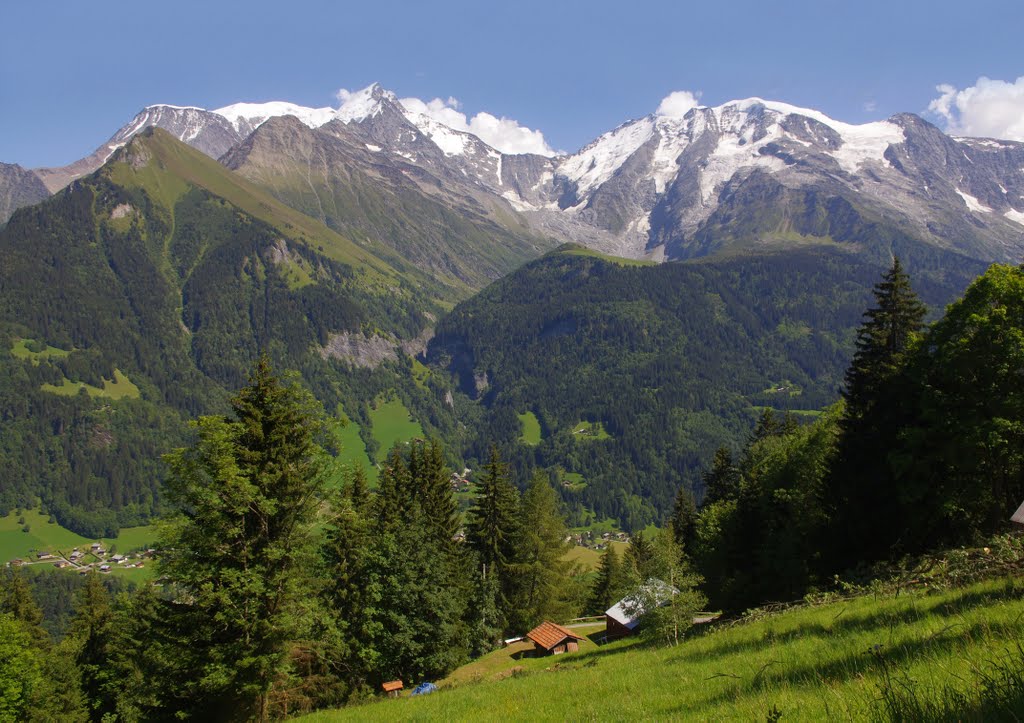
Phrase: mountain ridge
x=668 y=186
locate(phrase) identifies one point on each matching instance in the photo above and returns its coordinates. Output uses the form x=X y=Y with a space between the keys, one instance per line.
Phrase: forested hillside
x=136 y=298
x=668 y=362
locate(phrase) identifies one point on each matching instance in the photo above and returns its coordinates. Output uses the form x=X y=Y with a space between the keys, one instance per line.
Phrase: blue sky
x=73 y=72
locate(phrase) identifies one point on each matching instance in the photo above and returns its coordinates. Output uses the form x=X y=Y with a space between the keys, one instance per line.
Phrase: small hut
x=551 y=639
x=392 y=688
x=624 y=617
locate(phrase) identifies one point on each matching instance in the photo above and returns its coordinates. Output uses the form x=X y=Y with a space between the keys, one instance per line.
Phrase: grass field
x=589 y=558
x=353 y=451
x=20 y=350
x=590 y=431
x=118 y=388
x=44 y=536
x=393 y=423
x=531 y=428
x=826 y=662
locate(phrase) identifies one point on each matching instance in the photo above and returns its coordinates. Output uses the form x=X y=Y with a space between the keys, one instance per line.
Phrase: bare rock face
x=18 y=188
x=359 y=350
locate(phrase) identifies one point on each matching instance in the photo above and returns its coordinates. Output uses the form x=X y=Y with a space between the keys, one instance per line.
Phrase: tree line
x=925 y=451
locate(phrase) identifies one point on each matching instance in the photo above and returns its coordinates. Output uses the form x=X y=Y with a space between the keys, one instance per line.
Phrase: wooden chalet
x=623 y=618
x=392 y=688
x=551 y=639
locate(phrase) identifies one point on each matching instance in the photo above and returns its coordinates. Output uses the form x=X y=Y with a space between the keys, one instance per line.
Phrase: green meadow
x=392 y=423
x=531 y=429
x=45 y=536
x=117 y=388
x=824 y=662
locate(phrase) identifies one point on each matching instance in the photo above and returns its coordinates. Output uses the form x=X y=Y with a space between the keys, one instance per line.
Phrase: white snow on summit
x=596 y=163
x=247 y=116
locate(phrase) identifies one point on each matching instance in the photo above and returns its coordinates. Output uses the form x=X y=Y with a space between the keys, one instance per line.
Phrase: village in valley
x=95 y=558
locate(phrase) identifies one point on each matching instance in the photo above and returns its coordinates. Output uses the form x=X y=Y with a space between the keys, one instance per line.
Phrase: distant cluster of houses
x=82 y=561
x=588 y=539
x=460 y=482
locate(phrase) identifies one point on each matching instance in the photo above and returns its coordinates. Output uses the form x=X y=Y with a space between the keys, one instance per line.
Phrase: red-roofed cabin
x=392 y=688
x=551 y=639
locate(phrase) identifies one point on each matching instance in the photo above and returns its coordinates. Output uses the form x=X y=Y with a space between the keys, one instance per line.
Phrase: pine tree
x=640 y=562
x=881 y=341
x=248 y=491
x=684 y=519
x=494 y=524
x=16 y=600
x=610 y=584
x=90 y=630
x=541 y=574
x=722 y=481
x=862 y=496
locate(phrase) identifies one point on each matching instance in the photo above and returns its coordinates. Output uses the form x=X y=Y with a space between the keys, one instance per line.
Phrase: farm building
x=551 y=639
x=624 y=617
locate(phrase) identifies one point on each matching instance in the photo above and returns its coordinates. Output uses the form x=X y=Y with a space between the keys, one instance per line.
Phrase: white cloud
x=870 y=106
x=678 y=103
x=989 y=108
x=504 y=134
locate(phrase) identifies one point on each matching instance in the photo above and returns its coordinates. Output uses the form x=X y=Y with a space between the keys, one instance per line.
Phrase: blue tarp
x=424 y=688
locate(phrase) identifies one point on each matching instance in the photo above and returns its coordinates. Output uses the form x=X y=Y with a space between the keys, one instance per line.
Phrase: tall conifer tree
x=248 y=491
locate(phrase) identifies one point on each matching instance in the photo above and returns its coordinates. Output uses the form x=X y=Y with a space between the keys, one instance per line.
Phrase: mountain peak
x=357 y=106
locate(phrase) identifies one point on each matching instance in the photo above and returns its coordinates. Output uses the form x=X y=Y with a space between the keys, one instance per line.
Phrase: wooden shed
x=551 y=639
x=623 y=618
x=392 y=688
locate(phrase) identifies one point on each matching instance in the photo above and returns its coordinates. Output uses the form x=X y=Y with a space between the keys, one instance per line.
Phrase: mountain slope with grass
x=135 y=298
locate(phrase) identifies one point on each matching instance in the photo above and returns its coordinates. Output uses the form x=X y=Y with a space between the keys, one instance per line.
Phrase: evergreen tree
x=494 y=525
x=542 y=576
x=881 y=342
x=248 y=493
x=640 y=559
x=16 y=600
x=722 y=481
x=684 y=519
x=610 y=584
x=863 y=496
x=91 y=629
x=433 y=480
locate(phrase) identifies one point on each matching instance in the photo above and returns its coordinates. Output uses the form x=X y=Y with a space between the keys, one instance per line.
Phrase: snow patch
x=1015 y=216
x=451 y=142
x=371 y=147
x=973 y=204
x=599 y=161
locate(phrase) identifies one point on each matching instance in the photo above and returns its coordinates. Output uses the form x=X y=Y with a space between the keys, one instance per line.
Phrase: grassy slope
x=179 y=162
x=811 y=664
x=393 y=423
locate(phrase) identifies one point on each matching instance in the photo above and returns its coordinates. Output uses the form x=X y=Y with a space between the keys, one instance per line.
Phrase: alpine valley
x=642 y=300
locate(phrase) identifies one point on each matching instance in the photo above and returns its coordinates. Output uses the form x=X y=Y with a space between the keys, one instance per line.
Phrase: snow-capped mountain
x=665 y=186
